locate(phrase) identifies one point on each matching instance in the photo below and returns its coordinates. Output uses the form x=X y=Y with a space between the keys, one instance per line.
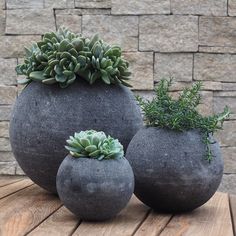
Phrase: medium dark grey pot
x=170 y=169
x=95 y=190
x=45 y=116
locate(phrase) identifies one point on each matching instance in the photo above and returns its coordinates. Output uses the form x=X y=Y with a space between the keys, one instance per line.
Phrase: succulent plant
x=94 y=144
x=62 y=55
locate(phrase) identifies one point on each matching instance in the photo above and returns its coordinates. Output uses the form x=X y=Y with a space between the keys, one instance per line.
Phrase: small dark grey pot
x=95 y=190
x=44 y=116
x=170 y=169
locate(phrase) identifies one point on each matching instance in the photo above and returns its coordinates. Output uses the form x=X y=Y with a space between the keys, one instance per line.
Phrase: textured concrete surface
x=170 y=169
x=93 y=189
x=45 y=116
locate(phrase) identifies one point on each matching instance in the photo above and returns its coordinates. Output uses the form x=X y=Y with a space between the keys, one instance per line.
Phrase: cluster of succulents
x=93 y=144
x=60 y=56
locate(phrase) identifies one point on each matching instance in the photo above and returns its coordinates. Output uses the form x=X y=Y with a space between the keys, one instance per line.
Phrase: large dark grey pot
x=95 y=190
x=44 y=116
x=171 y=172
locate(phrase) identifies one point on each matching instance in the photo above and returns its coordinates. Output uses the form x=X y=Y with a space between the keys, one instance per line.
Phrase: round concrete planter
x=170 y=169
x=45 y=115
x=95 y=190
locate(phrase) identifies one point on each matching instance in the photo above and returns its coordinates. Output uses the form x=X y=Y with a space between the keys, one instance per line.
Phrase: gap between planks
x=232 y=202
x=7 y=179
x=14 y=187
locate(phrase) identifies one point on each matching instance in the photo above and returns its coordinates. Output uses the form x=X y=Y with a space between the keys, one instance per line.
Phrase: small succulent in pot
x=95 y=181
x=176 y=161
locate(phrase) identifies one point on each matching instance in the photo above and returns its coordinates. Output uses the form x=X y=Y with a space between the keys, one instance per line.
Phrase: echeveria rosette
x=93 y=144
x=62 y=55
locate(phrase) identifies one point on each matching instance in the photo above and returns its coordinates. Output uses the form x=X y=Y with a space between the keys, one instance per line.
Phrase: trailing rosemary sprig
x=181 y=114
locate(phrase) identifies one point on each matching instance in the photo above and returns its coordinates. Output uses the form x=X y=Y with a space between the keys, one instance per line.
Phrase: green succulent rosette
x=93 y=144
x=60 y=56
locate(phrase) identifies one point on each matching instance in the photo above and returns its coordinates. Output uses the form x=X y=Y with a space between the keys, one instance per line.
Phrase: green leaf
x=78 y=44
x=63 y=45
x=93 y=40
x=37 y=75
x=85 y=142
x=23 y=81
x=105 y=77
x=77 y=67
x=49 y=81
x=60 y=78
x=95 y=153
x=91 y=148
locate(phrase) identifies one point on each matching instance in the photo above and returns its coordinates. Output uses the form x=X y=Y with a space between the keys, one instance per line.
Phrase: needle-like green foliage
x=181 y=114
x=60 y=56
x=93 y=144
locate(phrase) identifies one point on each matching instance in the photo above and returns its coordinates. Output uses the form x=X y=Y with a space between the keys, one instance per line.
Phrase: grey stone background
x=188 y=39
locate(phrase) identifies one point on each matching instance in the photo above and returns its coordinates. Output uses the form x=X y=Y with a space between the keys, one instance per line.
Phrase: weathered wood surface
x=26 y=209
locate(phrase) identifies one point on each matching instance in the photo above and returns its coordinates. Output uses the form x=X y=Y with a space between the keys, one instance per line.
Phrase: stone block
x=36 y=21
x=5 y=112
x=232 y=7
x=7 y=168
x=172 y=33
x=24 y=4
x=141 y=66
x=222 y=99
x=121 y=30
x=229 y=157
x=93 y=3
x=228 y=184
x=4 y=129
x=13 y=46
x=227 y=136
x=179 y=66
x=83 y=11
x=58 y=4
x=206 y=106
x=199 y=7
x=72 y=22
x=214 y=67
x=217 y=31
x=134 y=7
x=7 y=94
x=7 y=156
x=8 y=75
x=206 y=86
x=5 y=145
x=212 y=49
x=229 y=86
x=2 y=22
x=19 y=171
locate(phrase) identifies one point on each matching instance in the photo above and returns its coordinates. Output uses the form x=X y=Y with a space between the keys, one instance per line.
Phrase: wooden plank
x=124 y=224
x=154 y=224
x=26 y=209
x=60 y=223
x=14 y=187
x=5 y=180
x=212 y=219
x=233 y=211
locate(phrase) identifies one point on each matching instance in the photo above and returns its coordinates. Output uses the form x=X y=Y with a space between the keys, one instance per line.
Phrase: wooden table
x=26 y=209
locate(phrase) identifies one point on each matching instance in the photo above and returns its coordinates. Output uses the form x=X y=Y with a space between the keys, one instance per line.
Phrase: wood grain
x=123 y=225
x=5 y=180
x=154 y=224
x=212 y=219
x=233 y=211
x=26 y=209
x=60 y=223
x=14 y=187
